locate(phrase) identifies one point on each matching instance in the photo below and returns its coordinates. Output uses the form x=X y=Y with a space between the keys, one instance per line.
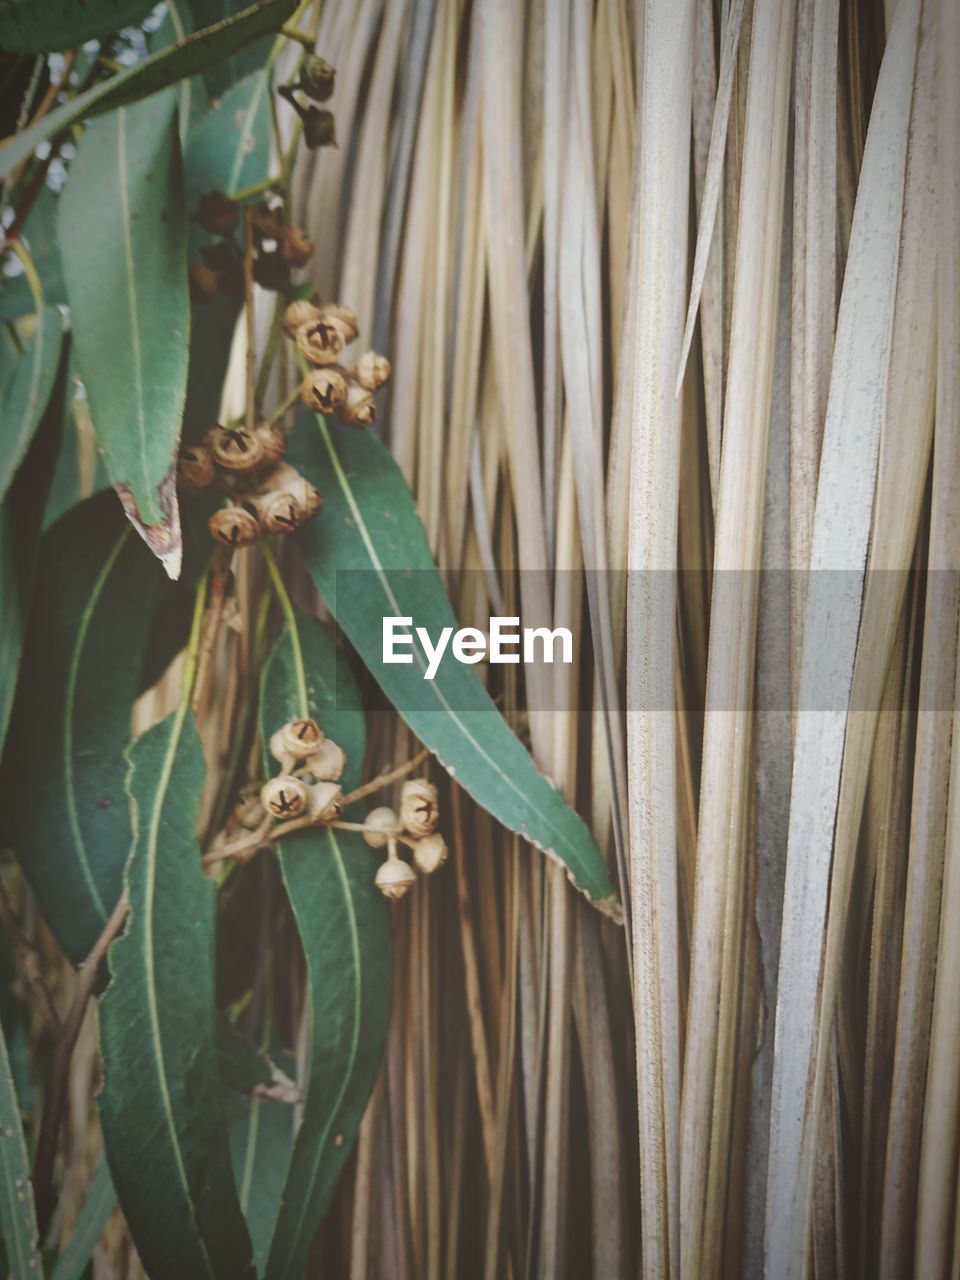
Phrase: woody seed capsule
x=419 y=812
x=394 y=878
x=319 y=128
x=195 y=469
x=358 y=409
x=324 y=390
x=372 y=370
x=296 y=247
x=285 y=796
x=383 y=823
x=272 y=442
x=217 y=213
x=236 y=449
x=299 y=313
x=234 y=527
x=301 y=738
x=328 y=763
x=317 y=78
x=321 y=341
x=430 y=854
x=344 y=316
x=325 y=800
x=278 y=512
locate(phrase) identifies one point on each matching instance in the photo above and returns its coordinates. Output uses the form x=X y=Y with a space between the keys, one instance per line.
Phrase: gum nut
x=279 y=512
x=302 y=738
x=297 y=314
x=385 y=824
x=311 y=499
x=278 y=746
x=249 y=811
x=394 y=878
x=324 y=390
x=430 y=853
x=321 y=341
x=317 y=78
x=272 y=441
x=344 y=316
x=419 y=811
x=319 y=128
x=328 y=763
x=234 y=527
x=296 y=247
x=285 y=796
x=325 y=800
x=236 y=449
x=358 y=408
x=217 y=213
x=372 y=370
x=195 y=469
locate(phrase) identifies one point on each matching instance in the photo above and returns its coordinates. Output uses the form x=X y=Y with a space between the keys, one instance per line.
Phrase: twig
x=248 y=308
x=55 y=1101
x=287 y=404
x=29 y=963
x=385 y=779
x=267 y=832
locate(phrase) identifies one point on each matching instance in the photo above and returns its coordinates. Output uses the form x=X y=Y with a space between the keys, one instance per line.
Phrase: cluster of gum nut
x=265 y=493
x=308 y=785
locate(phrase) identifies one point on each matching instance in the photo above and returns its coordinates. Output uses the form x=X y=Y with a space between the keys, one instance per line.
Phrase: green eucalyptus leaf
x=227 y=148
x=21 y=515
x=186 y=58
x=123 y=245
x=369 y=528
x=26 y=393
x=63 y=786
x=163 y=1126
x=40 y=237
x=261 y=1143
x=221 y=75
x=18 y=1218
x=28 y=27
x=344 y=925
x=100 y=1203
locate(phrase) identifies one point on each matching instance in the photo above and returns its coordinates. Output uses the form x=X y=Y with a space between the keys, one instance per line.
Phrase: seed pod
x=236 y=449
x=299 y=313
x=327 y=764
x=267 y=223
x=279 y=750
x=385 y=824
x=394 y=878
x=325 y=800
x=272 y=441
x=203 y=282
x=372 y=370
x=249 y=811
x=321 y=341
x=296 y=247
x=217 y=213
x=301 y=738
x=285 y=796
x=324 y=390
x=195 y=469
x=286 y=479
x=344 y=316
x=319 y=128
x=430 y=853
x=358 y=409
x=317 y=78
x=278 y=512
x=419 y=812
x=271 y=271
x=234 y=527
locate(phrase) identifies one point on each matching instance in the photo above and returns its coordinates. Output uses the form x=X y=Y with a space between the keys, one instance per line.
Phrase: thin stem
x=256 y=189
x=248 y=307
x=385 y=779
x=287 y=404
x=16 y=245
x=56 y=1099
